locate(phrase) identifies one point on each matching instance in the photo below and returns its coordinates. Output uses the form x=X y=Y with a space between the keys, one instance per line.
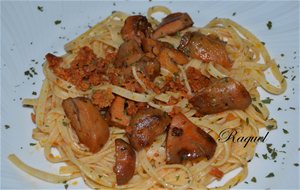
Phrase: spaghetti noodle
x=53 y=130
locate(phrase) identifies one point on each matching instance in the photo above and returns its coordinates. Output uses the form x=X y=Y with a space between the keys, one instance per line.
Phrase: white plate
x=28 y=34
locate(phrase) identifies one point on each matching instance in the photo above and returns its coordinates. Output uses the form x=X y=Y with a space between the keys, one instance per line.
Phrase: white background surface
x=22 y=23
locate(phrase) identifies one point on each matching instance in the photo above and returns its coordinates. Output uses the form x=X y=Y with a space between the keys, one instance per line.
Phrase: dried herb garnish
x=270 y=127
x=40 y=8
x=256 y=109
x=270 y=175
x=265 y=156
x=66 y=186
x=57 y=22
x=269 y=25
x=268 y=100
x=285 y=131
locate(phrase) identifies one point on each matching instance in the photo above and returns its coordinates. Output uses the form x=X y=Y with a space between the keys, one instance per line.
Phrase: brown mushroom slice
x=205 y=48
x=129 y=52
x=169 y=58
x=154 y=46
x=91 y=129
x=136 y=28
x=145 y=126
x=223 y=94
x=173 y=23
x=125 y=162
x=186 y=141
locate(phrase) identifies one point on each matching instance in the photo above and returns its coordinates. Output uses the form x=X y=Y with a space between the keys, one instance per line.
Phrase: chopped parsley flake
x=32 y=144
x=285 y=131
x=33 y=70
x=57 y=22
x=27 y=73
x=269 y=25
x=64 y=123
x=270 y=127
x=6 y=126
x=296 y=164
x=267 y=100
x=285 y=71
x=274 y=154
x=256 y=109
x=265 y=156
x=233 y=14
x=270 y=175
x=269 y=148
x=66 y=186
x=40 y=8
x=34 y=93
x=253 y=179
x=177 y=177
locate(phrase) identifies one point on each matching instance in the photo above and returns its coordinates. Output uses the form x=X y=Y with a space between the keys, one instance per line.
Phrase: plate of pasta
x=148 y=95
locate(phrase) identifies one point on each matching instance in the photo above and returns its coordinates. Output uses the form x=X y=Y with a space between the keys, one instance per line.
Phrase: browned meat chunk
x=149 y=67
x=173 y=23
x=205 y=48
x=196 y=80
x=136 y=28
x=102 y=98
x=125 y=161
x=186 y=141
x=224 y=94
x=117 y=113
x=91 y=129
x=128 y=53
x=145 y=126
